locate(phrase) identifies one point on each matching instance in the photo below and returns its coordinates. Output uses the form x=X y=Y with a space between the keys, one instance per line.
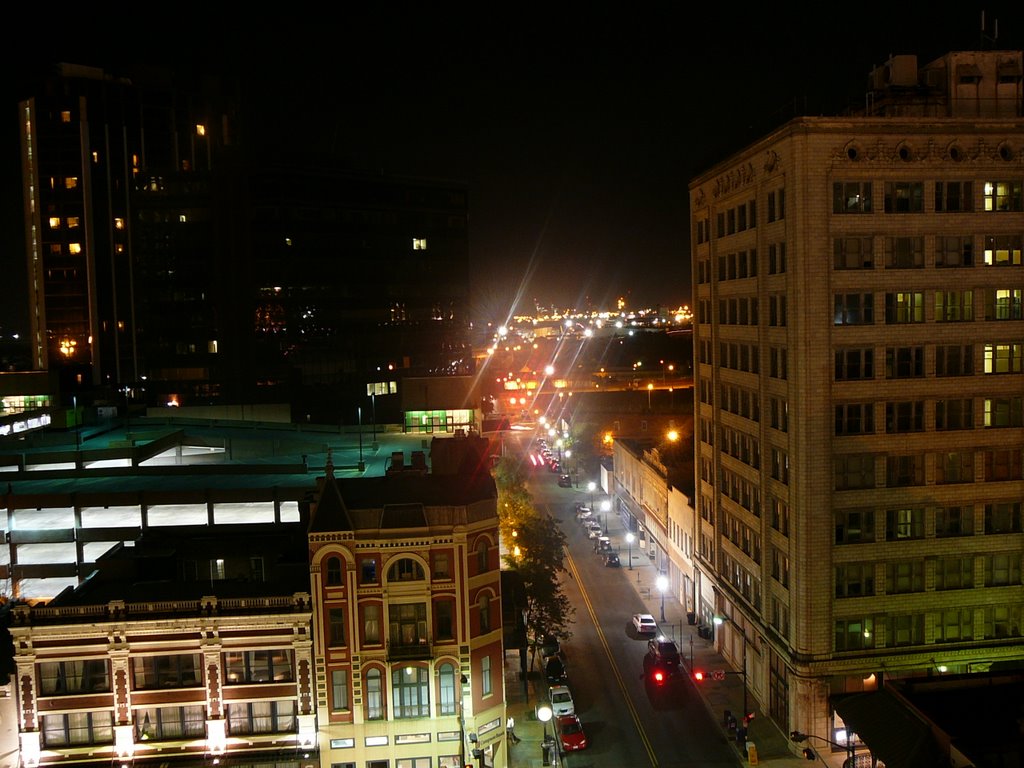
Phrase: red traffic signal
x=698 y=676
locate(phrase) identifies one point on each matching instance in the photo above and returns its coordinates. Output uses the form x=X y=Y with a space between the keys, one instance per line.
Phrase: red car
x=570 y=730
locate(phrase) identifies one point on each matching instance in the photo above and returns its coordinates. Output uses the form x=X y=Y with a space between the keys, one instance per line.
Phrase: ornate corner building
x=367 y=633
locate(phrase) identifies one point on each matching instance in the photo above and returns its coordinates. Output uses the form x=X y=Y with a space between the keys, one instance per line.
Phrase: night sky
x=576 y=132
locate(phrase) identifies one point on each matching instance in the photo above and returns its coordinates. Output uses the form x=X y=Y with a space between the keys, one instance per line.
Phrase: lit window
x=65 y=116
x=211 y=347
x=182 y=218
x=70 y=182
x=200 y=129
x=74 y=248
x=55 y=222
x=119 y=248
x=118 y=223
x=73 y=222
x=419 y=243
x=95 y=157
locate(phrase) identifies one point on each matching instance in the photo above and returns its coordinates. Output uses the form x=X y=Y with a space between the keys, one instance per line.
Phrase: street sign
x=718 y=674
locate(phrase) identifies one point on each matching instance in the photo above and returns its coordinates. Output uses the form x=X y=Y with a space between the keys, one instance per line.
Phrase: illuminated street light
x=718 y=621
x=629 y=548
x=650 y=388
x=544 y=714
x=662 y=583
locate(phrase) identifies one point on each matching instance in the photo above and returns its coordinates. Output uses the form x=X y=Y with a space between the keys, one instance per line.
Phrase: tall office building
x=115 y=176
x=168 y=258
x=859 y=360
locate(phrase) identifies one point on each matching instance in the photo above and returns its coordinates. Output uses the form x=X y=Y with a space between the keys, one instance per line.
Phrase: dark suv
x=662 y=659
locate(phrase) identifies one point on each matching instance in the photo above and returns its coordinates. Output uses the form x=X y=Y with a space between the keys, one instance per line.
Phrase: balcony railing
x=410 y=651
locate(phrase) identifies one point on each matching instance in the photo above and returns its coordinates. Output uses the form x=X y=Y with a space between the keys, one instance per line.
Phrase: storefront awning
x=894 y=734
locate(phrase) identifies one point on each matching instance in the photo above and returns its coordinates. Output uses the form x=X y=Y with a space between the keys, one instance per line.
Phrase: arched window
x=333 y=571
x=446 y=681
x=374 y=701
x=410 y=692
x=485 y=613
x=481 y=556
x=406 y=569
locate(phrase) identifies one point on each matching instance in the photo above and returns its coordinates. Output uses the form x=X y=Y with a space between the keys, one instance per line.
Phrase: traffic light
x=698 y=676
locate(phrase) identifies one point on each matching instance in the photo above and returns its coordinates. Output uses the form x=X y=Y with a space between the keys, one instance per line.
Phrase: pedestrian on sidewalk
x=510 y=727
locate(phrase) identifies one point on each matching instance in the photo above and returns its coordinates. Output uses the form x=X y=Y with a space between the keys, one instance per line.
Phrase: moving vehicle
x=611 y=560
x=564 y=481
x=644 y=624
x=570 y=731
x=561 y=700
x=661 y=663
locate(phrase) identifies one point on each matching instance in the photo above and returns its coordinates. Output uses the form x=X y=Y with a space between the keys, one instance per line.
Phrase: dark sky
x=577 y=131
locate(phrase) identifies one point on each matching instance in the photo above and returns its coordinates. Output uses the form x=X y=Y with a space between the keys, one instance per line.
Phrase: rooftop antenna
x=985 y=39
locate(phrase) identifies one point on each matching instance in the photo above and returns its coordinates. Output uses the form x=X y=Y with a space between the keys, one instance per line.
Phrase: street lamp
x=359 y=412
x=544 y=714
x=373 y=415
x=591 y=486
x=629 y=548
x=606 y=507
x=662 y=584
x=78 y=436
x=719 y=621
x=650 y=388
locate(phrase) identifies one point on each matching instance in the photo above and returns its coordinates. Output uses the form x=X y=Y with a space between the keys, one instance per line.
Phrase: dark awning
x=894 y=734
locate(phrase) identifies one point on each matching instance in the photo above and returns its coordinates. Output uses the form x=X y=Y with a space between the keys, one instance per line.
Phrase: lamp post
x=606 y=507
x=662 y=584
x=373 y=415
x=591 y=486
x=359 y=412
x=544 y=714
x=78 y=436
x=629 y=548
x=719 y=621
x=650 y=388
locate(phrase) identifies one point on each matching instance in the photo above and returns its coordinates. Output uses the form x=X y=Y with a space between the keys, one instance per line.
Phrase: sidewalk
x=772 y=745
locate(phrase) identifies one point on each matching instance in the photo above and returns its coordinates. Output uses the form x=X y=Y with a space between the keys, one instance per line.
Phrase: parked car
x=612 y=560
x=554 y=671
x=564 y=481
x=603 y=545
x=644 y=624
x=561 y=700
x=594 y=531
x=550 y=646
x=570 y=731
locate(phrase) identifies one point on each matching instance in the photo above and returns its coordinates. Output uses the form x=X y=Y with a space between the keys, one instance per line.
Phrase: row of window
x=955 y=625
x=910 y=576
x=406 y=568
x=860 y=471
x=741 y=218
x=910 y=416
x=908 y=307
x=858 y=363
x=407 y=622
x=910 y=197
x=864 y=526
x=910 y=252
x=743 y=264
x=410 y=691
x=164 y=723
x=182 y=670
